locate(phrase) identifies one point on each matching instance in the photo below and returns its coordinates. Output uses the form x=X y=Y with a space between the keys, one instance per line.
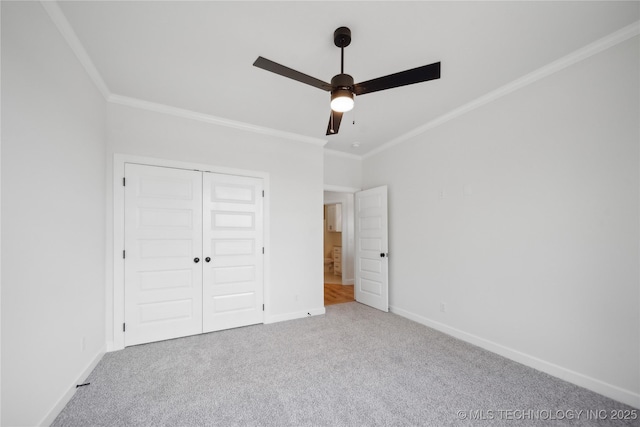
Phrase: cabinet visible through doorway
x=334 y=217
x=337 y=260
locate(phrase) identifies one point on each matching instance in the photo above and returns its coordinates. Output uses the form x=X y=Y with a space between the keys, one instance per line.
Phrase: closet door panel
x=163 y=237
x=233 y=241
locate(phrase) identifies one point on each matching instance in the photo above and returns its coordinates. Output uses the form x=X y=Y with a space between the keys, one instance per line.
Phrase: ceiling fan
x=342 y=87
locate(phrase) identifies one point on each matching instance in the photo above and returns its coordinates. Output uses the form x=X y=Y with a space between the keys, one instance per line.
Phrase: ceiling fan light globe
x=342 y=104
x=341 y=101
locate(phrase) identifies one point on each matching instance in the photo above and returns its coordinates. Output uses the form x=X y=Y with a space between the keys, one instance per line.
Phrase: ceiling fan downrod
x=342 y=39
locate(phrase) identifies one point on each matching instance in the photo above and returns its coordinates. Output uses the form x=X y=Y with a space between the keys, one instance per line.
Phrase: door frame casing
x=115 y=310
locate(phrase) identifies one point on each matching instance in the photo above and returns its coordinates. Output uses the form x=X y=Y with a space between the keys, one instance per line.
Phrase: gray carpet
x=355 y=366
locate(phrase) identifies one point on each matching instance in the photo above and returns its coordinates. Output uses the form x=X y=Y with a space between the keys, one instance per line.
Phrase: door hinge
x=263 y=250
x=262 y=193
x=123 y=254
x=124 y=181
x=124 y=327
x=262 y=307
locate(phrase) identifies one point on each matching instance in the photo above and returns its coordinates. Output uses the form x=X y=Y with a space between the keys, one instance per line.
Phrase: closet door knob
x=196 y=260
x=207 y=259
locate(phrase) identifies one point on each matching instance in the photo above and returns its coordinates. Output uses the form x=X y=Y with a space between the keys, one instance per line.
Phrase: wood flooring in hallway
x=336 y=294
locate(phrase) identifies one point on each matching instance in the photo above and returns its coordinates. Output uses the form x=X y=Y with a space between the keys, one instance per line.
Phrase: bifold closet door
x=233 y=251
x=163 y=258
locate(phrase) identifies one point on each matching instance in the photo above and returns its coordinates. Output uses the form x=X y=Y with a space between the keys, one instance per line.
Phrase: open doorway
x=338 y=247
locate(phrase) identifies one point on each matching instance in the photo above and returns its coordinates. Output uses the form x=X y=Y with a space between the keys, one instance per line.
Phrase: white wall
x=342 y=170
x=295 y=194
x=522 y=217
x=53 y=204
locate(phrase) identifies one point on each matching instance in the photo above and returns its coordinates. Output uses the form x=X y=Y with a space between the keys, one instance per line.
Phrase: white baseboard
x=348 y=282
x=609 y=390
x=110 y=346
x=295 y=315
x=62 y=402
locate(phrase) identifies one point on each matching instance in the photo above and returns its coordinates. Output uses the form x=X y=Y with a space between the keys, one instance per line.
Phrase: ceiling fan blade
x=403 y=78
x=334 y=123
x=274 y=67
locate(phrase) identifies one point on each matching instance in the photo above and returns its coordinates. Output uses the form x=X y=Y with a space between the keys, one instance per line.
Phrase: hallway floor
x=337 y=294
x=329 y=277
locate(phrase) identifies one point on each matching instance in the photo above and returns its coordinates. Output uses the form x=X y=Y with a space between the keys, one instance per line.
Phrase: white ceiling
x=198 y=56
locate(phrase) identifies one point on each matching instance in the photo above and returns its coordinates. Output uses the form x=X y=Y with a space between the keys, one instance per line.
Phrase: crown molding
x=60 y=21
x=589 y=50
x=337 y=153
x=341 y=189
x=207 y=118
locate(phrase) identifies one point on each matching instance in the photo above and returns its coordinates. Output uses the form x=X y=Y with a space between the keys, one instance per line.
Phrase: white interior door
x=163 y=244
x=372 y=265
x=233 y=251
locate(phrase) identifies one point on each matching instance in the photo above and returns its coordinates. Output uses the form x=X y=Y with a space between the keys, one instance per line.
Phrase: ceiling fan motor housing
x=342 y=92
x=342 y=81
